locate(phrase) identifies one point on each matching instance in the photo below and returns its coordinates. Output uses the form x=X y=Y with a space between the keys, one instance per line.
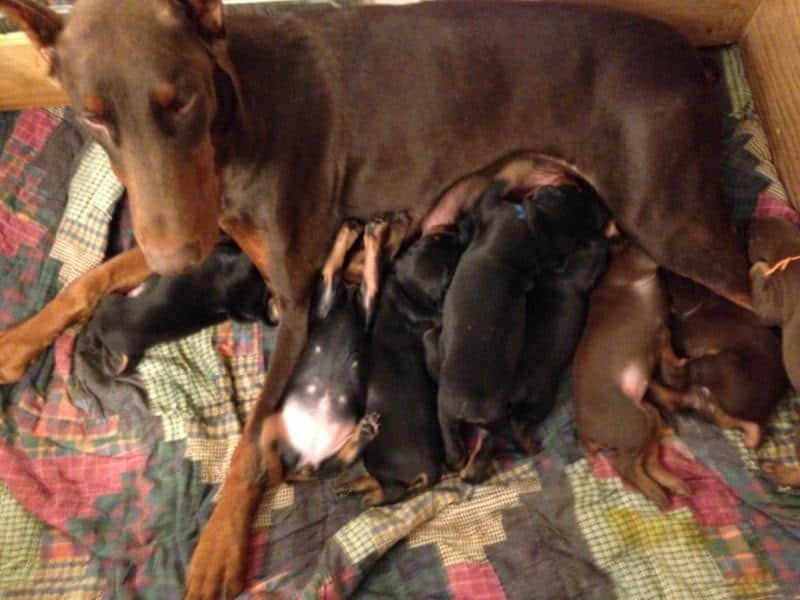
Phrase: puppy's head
x=425 y=269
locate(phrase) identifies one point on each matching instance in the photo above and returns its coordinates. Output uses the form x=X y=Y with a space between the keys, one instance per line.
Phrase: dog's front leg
x=23 y=342
x=219 y=561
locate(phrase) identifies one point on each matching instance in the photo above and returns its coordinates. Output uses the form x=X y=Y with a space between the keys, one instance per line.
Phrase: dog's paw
x=18 y=348
x=217 y=569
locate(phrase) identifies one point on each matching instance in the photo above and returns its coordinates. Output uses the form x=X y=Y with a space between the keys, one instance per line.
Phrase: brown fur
x=321 y=115
x=625 y=333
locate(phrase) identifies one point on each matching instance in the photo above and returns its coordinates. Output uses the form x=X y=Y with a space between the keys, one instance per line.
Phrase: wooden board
x=23 y=76
x=705 y=22
x=771 y=49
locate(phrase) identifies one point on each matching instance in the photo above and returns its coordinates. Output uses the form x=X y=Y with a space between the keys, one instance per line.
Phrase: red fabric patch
x=17 y=231
x=61 y=488
x=474 y=582
x=768 y=206
x=712 y=502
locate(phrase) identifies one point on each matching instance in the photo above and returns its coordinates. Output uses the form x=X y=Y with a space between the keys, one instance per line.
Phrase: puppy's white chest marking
x=634 y=382
x=314 y=432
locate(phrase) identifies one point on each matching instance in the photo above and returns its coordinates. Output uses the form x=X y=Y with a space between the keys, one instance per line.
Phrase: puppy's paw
x=369 y=427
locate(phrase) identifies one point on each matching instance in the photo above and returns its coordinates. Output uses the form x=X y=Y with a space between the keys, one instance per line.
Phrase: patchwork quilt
x=105 y=485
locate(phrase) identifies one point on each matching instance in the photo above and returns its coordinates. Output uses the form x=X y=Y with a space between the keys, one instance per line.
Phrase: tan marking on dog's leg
x=23 y=342
x=399 y=226
x=468 y=471
x=253 y=243
x=221 y=554
x=374 y=497
x=419 y=482
x=359 y=485
x=345 y=239
x=375 y=236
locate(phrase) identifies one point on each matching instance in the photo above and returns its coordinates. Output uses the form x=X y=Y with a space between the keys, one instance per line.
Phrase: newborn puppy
x=225 y=286
x=774 y=247
x=733 y=375
x=407 y=454
x=317 y=429
x=556 y=314
x=484 y=315
x=624 y=337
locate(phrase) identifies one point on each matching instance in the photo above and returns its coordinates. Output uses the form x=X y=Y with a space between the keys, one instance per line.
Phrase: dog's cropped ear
x=40 y=23
x=207 y=15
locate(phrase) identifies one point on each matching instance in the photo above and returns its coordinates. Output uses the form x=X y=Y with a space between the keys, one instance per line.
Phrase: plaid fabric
x=105 y=487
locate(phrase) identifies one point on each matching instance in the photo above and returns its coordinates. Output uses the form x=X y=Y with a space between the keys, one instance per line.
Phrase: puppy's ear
x=207 y=15
x=41 y=24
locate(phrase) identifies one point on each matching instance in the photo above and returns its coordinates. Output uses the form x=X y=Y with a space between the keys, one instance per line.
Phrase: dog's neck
x=270 y=84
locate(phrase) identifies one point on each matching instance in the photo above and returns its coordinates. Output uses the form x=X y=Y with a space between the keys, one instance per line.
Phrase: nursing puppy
x=226 y=285
x=484 y=315
x=407 y=454
x=622 y=342
x=556 y=314
x=731 y=369
x=318 y=429
x=774 y=247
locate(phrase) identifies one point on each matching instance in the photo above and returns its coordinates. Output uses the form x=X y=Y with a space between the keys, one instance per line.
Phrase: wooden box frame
x=768 y=32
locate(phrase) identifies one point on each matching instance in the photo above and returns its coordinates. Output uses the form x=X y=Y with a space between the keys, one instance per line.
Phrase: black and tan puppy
x=407 y=454
x=227 y=285
x=556 y=314
x=484 y=316
x=730 y=368
x=625 y=335
x=319 y=427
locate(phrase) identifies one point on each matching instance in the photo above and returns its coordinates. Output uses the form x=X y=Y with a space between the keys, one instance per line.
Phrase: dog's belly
x=315 y=432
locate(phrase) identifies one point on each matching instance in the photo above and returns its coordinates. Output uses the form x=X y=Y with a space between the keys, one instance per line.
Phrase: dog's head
x=143 y=80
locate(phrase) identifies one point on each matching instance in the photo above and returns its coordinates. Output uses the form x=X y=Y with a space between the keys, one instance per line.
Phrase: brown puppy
x=733 y=374
x=625 y=334
x=774 y=248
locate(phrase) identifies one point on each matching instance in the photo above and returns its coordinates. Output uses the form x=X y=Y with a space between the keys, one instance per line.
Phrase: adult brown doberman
x=278 y=127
